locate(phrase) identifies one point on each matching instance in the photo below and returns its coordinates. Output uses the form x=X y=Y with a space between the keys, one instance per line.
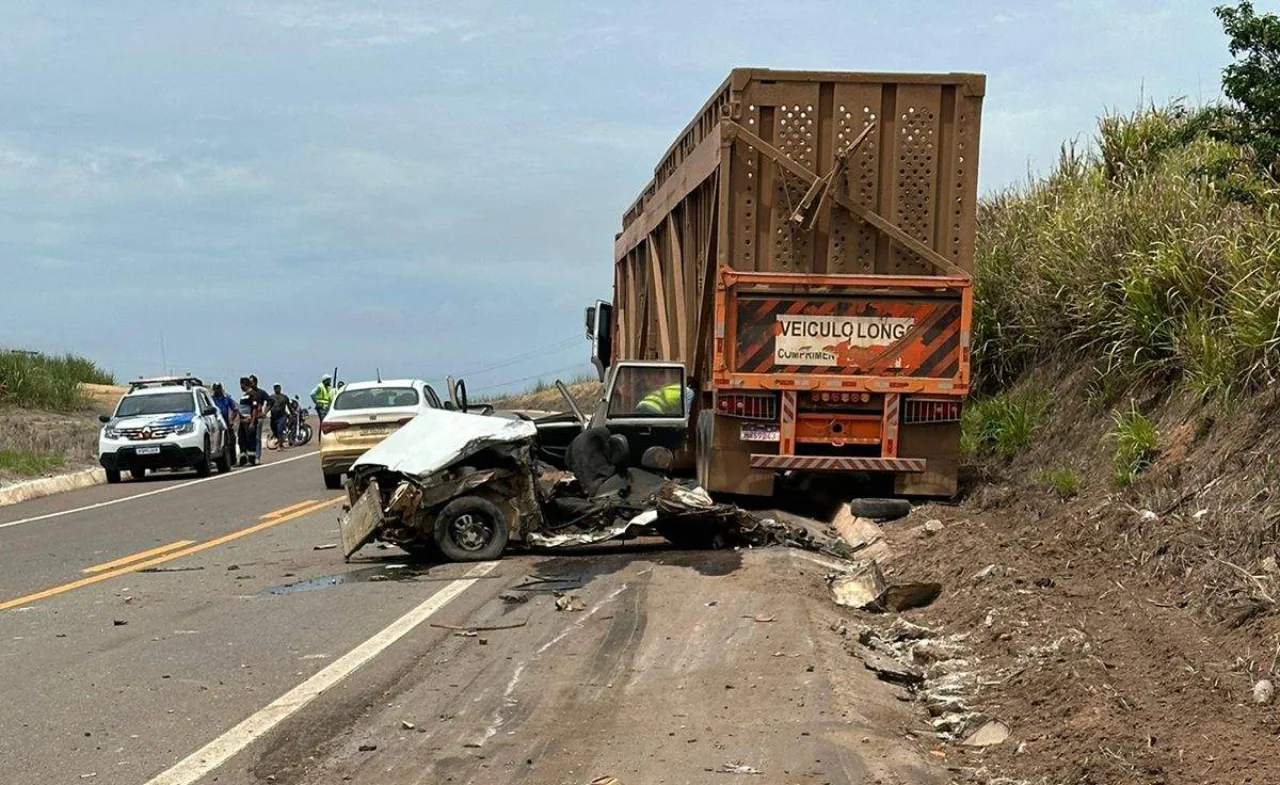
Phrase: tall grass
x=1137 y=444
x=1155 y=253
x=1002 y=425
x=40 y=381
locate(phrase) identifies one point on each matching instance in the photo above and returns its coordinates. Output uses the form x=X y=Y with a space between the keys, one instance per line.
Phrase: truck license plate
x=148 y=450
x=752 y=432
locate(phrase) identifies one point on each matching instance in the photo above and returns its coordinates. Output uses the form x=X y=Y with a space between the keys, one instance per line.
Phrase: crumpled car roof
x=437 y=439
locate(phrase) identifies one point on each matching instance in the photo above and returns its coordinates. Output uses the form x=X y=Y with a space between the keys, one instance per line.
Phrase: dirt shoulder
x=42 y=444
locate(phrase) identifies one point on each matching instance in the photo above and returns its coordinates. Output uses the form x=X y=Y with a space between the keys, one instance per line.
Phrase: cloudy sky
x=427 y=188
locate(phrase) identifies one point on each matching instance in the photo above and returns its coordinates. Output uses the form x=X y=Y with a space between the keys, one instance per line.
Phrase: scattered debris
x=328 y=546
x=861 y=588
x=762 y=619
x=367 y=747
x=606 y=781
x=933 y=527
x=570 y=602
x=489 y=628
x=738 y=768
x=1148 y=515
x=989 y=572
x=232 y=567
x=118 y=622
x=169 y=569
x=891 y=670
x=1263 y=691
x=514 y=599
x=406 y=725
x=988 y=734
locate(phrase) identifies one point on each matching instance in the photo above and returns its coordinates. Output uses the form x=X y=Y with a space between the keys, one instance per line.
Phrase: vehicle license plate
x=759 y=433
x=148 y=450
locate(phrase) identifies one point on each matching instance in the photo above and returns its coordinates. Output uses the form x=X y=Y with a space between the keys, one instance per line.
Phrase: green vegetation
x=1062 y=481
x=40 y=381
x=1137 y=444
x=28 y=464
x=1154 y=252
x=1000 y=426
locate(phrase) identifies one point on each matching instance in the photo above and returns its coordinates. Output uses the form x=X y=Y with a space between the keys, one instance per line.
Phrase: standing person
x=322 y=396
x=245 y=420
x=230 y=413
x=278 y=405
x=259 y=400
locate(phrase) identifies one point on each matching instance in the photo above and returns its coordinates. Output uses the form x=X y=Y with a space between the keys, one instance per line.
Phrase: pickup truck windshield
x=159 y=403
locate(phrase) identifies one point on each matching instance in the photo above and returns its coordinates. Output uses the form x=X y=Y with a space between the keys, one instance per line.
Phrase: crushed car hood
x=437 y=439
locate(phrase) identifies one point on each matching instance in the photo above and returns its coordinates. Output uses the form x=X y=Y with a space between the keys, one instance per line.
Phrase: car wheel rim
x=470 y=532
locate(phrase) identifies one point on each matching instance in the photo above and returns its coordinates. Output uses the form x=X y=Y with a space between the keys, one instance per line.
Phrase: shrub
x=28 y=464
x=40 y=381
x=1002 y=425
x=1062 y=482
x=1137 y=444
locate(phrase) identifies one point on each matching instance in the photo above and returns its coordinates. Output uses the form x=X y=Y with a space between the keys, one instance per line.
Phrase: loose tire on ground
x=113 y=476
x=880 y=509
x=471 y=529
x=137 y=474
x=333 y=481
x=224 y=461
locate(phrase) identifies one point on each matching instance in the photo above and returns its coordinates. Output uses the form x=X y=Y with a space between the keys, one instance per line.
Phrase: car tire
x=202 y=465
x=333 y=481
x=138 y=474
x=113 y=476
x=880 y=509
x=471 y=529
x=223 y=462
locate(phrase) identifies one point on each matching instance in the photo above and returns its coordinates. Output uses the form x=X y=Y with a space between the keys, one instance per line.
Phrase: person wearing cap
x=322 y=396
x=279 y=408
x=229 y=410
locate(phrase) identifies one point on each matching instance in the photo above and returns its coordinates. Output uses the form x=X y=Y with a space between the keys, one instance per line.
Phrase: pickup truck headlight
x=186 y=427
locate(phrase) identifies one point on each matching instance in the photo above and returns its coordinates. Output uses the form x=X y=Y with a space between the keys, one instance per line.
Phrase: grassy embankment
x=43 y=422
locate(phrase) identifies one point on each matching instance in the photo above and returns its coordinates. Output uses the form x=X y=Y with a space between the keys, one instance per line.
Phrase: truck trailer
x=798 y=271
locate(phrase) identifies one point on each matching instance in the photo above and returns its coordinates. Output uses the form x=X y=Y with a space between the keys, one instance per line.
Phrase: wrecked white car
x=461 y=486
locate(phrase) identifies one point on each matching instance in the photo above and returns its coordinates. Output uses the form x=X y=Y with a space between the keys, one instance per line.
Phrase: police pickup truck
x=167 y=422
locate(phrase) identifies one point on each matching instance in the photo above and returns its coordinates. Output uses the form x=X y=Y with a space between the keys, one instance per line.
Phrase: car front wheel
x=471 y=529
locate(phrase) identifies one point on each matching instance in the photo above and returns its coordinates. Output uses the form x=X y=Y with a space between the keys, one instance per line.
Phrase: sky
x=421 y=189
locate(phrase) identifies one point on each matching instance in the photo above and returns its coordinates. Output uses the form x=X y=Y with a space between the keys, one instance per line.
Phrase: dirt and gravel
x=1120 y=634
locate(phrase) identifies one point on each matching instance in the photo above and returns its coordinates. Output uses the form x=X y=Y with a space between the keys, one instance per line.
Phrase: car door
x=212 y=422
x=629 y=406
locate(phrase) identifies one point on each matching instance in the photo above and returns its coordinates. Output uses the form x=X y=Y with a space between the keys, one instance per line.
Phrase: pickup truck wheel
x=137 y=474
x=113 y=476
x=333 y=481
x=202 y=465
x=471 y=529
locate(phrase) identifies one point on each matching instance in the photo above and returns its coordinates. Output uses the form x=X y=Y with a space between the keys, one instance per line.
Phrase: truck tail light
x=329 y=426
x=840 y=397
x=927 y=410
x=748 y=406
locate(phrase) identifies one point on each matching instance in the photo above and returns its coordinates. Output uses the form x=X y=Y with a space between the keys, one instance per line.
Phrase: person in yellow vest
x=672 y=400
x=322 y=395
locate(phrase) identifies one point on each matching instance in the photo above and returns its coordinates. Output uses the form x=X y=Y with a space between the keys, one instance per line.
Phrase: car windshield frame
x=159 y=403
x=369 y=398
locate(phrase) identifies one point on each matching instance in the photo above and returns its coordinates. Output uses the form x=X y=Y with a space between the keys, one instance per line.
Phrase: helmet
x=326 y=378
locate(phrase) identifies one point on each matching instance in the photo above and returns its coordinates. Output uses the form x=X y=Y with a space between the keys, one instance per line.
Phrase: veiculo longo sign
x=812 y=340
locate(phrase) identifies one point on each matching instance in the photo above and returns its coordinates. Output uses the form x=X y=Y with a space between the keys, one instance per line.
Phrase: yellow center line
x=287 y=510
x=123 y=560
x=142 y=565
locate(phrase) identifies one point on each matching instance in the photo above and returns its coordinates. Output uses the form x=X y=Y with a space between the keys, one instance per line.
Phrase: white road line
x=221 y=749
x=166 y=489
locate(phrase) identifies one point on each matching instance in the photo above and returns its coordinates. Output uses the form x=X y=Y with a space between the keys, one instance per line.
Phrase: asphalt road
x=236 y=649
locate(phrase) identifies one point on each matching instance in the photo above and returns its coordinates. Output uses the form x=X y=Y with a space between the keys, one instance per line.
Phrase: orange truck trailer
x=801 y=261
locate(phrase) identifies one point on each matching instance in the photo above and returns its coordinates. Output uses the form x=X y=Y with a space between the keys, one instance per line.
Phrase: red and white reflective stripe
x=889 y=445
x=828 y=464
x=787 y=440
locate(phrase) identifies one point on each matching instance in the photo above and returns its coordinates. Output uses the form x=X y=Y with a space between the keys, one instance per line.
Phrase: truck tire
x=471 y=529
x=138 y=474
x=333 y=481
x=113 y=476
x=202 y=465
x=880 y=509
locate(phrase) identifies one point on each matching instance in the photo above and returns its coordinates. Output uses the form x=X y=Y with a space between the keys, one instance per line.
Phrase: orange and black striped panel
x=918 y=337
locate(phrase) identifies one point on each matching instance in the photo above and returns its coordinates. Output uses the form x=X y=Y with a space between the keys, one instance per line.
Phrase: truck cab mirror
x=591 y=322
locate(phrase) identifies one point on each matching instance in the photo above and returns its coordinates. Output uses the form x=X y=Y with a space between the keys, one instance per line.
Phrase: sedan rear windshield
x=158 y=403
x=376 y=398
